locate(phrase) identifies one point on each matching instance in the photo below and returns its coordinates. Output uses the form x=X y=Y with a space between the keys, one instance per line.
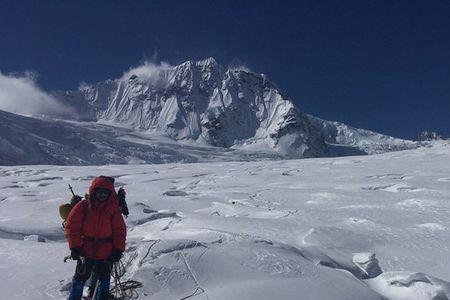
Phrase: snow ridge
x=366 y=141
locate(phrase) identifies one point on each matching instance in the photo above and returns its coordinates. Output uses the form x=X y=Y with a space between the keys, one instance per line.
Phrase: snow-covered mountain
x=203 y=102
x=357 y=140
x=204 y=110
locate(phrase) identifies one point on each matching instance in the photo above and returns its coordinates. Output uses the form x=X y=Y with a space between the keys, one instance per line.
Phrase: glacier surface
x=358 y=227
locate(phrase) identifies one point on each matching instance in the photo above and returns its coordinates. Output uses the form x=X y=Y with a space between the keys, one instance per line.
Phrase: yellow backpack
x=64 y=210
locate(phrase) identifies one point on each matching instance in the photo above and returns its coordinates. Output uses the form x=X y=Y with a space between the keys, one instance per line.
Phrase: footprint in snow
x=432 y=226
x=157 y=216
x=393 y=188
x=445 y=179
x=13 y=187
x=398 y=176
x=417 y=203
x=290 y=172
x=84 y=178
x=200 y=175
x=45 y=179
x=175 y=193
x=149 y=211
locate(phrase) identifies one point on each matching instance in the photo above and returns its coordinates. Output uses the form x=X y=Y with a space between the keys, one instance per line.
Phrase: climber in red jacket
x=96 y=231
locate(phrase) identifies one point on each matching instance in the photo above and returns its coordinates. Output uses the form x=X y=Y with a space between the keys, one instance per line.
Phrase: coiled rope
x=127 y=290
x=123 y=290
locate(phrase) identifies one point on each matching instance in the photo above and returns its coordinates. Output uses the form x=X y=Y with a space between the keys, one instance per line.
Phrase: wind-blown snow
x=150 y=73
x=317 y=229
x=20 y=94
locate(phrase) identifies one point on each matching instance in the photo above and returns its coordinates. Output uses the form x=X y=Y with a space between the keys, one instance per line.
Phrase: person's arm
x=74 y=226
x=119 y=231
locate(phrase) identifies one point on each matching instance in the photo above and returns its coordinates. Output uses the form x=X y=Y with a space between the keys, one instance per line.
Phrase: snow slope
x=320 y=228
x=26 y=140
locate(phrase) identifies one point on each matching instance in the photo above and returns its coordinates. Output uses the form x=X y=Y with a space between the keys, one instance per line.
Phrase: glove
x=115 y=255
x=75 y=199
x=125 y=211
x=121 y=193
x=75 y=253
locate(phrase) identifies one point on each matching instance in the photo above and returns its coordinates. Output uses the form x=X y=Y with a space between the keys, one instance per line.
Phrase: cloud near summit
x=159 y=74
x=20 y=94
x=150 y=72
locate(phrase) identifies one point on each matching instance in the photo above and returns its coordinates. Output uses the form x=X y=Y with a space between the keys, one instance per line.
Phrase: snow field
x=248 y=230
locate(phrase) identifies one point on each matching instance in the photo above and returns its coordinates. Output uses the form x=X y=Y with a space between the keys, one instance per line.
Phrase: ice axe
x=71 y=189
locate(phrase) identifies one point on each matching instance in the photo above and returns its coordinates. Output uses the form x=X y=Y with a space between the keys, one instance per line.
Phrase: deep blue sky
x=380 y=65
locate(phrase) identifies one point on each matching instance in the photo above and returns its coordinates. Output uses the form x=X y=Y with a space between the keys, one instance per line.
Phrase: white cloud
x=156 y=74
x=237 y=65
x=20 y=94
x=240 y=68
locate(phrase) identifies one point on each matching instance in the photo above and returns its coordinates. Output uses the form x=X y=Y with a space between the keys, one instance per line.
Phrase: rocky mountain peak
x=427 y=135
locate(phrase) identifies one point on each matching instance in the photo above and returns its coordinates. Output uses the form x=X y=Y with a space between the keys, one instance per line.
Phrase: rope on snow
x=199 y=289
x=126 y=290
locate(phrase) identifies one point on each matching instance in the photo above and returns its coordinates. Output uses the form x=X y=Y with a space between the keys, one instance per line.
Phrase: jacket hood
x=104 y=183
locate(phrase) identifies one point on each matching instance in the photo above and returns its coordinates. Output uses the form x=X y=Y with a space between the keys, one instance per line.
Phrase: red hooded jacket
x=97 y=227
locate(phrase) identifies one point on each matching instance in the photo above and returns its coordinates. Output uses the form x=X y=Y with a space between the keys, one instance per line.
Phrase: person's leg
x=92 y=282
x=76 y=292
x=103 y=272
x=82 y=273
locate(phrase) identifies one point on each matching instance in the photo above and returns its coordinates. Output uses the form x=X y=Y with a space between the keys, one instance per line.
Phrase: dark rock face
x=428 y=136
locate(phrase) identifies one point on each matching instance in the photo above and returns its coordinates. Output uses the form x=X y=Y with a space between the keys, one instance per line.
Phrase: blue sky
x=380 y=65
